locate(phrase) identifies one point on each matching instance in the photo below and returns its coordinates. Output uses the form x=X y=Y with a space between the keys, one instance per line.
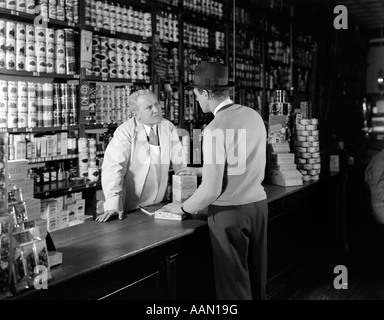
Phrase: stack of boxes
x=64 y=211
x=282 y=169
x=183 y=187
x=307 y=148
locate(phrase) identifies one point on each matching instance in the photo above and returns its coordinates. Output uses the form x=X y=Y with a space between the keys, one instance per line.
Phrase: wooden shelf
x=39 y=129
x=55 y=189
x=119 y=35
x=39 y=74
x=31 y=18
x=109 y=79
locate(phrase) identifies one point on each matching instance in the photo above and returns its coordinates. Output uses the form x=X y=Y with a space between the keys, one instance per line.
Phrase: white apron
x=150 y=194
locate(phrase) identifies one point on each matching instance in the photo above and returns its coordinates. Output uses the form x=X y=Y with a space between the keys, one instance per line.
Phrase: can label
x=32 y=107
x=50 y=65
x=3 y=119
x=12 y=119
x=3 y=105
x=59 y=37
x=60 y=66
x=30 y=63
x=41 y=64
x=40 y=34
x=50 y=35
x=22 y=119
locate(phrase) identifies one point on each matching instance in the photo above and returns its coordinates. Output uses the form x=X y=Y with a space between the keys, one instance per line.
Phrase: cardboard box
x=17 y=169
x=85 y=218
x=181 y=195
x=80 y=208
x=184 y=182
x=77 y=196
x=64 y=218
x=64 y=143
x=53 y=222
x=33 y=209
x=55 y=258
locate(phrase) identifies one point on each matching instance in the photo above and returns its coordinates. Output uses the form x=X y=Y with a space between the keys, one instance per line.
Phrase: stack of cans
x=116 y=58
x=36 y=49
x=167 y=26
x=112 y=104
x=53 y=9
x=12 y=104
x=3 y=103
x=117 y=18
x=93 y=169
x=70 y=51
x=307 y=149
x=22 y=104
x=83 y=149
x=32 y=105
x=196 y=36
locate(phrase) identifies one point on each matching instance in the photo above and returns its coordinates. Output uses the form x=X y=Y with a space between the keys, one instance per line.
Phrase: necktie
x=153 y=139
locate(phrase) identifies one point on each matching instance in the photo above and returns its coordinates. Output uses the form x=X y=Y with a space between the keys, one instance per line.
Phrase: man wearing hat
x=234 y=151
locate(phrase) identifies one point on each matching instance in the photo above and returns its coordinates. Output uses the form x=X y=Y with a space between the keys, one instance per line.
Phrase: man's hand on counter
x=108 y=214
x=189 y=171
x=173 y=207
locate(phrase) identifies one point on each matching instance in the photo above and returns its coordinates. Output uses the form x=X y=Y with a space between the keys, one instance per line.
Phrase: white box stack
x=282 y=169
x=307 y=148
x=183 y=187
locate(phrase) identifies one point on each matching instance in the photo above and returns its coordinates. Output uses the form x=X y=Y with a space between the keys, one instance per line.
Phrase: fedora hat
x=211 y=76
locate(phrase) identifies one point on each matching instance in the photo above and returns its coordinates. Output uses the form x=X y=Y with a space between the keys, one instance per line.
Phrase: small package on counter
x=41 y=253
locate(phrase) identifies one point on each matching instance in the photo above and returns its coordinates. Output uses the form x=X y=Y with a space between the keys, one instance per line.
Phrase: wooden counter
x=140 y=257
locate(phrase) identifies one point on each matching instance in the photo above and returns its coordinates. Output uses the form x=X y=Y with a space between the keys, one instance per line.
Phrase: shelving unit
x=171 y=61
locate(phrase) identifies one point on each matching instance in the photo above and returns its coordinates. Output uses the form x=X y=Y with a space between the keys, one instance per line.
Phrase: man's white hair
x=132 y=101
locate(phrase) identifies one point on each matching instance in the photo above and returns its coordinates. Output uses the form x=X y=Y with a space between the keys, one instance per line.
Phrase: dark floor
x=365 y=264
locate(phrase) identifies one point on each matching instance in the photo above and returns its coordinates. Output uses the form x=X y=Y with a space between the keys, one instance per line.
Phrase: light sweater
x=234 y=151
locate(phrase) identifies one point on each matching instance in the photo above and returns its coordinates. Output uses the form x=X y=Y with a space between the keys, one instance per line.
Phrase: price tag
x=71 y=24
x=15 y=13
x=36 y=74
x=96 y=29
x=64 y=128
x=104 y=79
x=70 y=189
x=28 y=129
x=47 y=193
x=113 y=32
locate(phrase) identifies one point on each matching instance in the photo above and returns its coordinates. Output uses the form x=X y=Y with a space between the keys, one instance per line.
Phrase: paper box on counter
x=55 y=258
x=184 y=182
x=64 y=219
x=181 y=195
x=80 y=208
x=71 y=208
